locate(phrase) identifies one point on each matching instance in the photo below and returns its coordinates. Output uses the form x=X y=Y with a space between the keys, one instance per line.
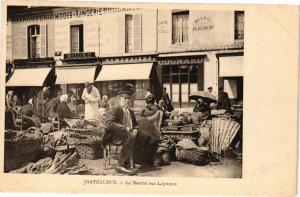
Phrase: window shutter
x=137 y=22
x=24 y=43
x=91 y=37
x=121 y=34
x=43 y=34
x=19 y=42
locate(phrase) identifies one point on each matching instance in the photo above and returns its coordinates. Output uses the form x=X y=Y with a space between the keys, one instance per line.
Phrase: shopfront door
x=181 y=81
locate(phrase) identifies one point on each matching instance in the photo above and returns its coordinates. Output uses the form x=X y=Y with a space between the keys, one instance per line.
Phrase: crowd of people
x=121 y=125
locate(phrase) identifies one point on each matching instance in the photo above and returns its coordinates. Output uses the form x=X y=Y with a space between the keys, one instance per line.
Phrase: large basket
x=19 y=152
x=180 y=135
x=90 y=151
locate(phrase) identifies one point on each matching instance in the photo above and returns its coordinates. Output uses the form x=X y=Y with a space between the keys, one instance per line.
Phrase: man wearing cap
x=120 y=129
x=91 y=97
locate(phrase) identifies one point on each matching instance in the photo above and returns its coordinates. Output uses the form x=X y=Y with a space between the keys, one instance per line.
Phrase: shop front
x=137 y=73
x=231 y=76
x=181 y=76
x=28 y=77
x=76 y=69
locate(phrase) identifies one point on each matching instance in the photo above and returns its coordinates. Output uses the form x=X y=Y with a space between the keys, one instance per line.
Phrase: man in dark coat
x=166 y=101
x=120 y=129
x=223 y=100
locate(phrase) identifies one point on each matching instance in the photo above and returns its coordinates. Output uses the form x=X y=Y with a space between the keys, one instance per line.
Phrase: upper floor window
x=76 y=38
x=129 y=33
x=238 y=25
x=34 y=41
x=133 y=33
x=180 y=27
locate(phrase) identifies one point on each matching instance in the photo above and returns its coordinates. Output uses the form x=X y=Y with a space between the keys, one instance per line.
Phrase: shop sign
x=180 y=61
x=126 y=60
x=79 y=56
x=69 y=14
x=35 y=60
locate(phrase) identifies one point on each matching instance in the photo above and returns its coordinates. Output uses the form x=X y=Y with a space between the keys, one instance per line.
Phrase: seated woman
x=202 y=109
x=63 y=109
x=103 y=107
x=104 y=102
x=149 y=134
x=150 y=109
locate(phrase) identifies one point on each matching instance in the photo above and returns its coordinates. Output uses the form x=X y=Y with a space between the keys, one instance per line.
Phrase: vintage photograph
x=124 y=91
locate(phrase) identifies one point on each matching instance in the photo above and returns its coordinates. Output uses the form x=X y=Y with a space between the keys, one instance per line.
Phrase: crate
x=90 y=151
x=19 y=152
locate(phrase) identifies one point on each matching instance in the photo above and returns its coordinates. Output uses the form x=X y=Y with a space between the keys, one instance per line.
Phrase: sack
x=193 y=156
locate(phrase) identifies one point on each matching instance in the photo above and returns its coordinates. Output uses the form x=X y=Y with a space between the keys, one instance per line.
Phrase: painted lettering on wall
x=68 y=14
x=162 y=26
x=203 y=23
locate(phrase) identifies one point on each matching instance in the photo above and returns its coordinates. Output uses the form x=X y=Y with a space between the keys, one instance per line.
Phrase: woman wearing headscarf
x=63 y=109
x=103 y=107
x=104 y=102
x=150 y=109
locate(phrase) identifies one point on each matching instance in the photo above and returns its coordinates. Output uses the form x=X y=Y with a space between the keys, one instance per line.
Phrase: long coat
x=223 y=101
x=115 y=131
x=144 y=145
x=91 y=103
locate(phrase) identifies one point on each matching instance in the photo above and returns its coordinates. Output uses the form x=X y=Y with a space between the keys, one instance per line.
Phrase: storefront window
x=111 y=88
x=74 y=89
x=141 y=88
x=181 y=81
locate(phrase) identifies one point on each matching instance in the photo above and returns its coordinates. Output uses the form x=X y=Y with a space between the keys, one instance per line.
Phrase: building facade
x=182 y=50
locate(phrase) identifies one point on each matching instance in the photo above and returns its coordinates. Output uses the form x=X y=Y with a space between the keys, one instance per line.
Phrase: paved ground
x=228 y=168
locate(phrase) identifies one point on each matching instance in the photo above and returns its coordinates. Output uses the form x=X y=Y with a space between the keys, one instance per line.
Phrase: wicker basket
x=90 y=151
x=179 y=135
x=19 y=152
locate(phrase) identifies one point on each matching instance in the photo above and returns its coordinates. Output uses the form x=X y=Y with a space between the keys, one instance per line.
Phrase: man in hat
x=120 y=129
x=91 y=97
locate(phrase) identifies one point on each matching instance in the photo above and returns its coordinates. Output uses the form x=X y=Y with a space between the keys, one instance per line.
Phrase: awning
x=28 y=77
x=75 y=75
x=125 y=72
x=231 y=66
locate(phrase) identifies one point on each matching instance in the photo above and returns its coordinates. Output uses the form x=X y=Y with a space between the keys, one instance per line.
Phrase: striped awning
x=125 y=72
x=28 y=77
x=75 y=75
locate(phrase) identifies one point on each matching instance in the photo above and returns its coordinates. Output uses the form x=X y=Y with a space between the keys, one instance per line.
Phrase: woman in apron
x=91 y=98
